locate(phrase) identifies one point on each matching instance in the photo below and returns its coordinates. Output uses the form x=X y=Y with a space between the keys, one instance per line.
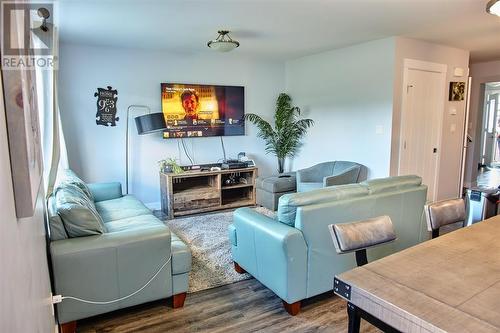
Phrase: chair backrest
x=441 y=213
x=288 y=203
x=321 y=170
x=360 y=235
x=402 y=198
x=340 y=166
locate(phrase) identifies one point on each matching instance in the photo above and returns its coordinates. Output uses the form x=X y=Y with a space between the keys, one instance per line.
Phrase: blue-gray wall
x=97 y=153
x=349 y=93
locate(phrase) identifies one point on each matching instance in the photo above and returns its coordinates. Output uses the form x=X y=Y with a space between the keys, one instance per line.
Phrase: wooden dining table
x=448 y=284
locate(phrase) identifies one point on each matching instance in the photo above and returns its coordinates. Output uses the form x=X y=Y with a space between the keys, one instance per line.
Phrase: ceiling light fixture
x=223 y=43
x=44 y=14
x=493 y=7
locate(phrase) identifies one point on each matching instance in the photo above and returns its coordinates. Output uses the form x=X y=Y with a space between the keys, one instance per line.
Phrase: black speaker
x=150 y=123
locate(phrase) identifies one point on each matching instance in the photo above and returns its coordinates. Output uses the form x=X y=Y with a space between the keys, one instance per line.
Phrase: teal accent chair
x=293 y=254
x=110 y=264
x=328 y=174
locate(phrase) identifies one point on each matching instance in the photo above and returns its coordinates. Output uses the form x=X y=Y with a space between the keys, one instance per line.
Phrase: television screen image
x=196 y=110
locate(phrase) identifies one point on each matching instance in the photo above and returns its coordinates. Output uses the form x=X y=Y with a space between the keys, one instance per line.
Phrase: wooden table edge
x=394 y=310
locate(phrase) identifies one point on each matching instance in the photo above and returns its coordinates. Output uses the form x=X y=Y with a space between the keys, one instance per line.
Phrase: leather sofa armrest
x=273 y=252
x=109 y=266
x=105 y=191
x=347 y=176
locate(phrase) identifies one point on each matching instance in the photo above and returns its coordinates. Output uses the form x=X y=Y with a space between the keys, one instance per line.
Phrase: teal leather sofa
x=329 y=174
x=110 y=261
x=294 y=256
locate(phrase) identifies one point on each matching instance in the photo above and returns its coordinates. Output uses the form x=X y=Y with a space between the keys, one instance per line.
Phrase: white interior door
x=489 y=129
x=422 y=113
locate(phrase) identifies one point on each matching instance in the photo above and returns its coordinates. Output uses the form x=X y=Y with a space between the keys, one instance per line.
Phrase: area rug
x=207 y=237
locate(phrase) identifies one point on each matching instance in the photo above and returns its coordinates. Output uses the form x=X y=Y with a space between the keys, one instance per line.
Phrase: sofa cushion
x=56 y=224
x=105 y=191
x=132 y=223
x=390 y=184
x=67 y=176
x=121 y=208
x=288 y=203
x=277 y=184
x=181 y=256
x=308 y=186
x=77 y=212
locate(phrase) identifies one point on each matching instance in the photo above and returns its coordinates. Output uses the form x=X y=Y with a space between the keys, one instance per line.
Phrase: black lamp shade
x=150 y=123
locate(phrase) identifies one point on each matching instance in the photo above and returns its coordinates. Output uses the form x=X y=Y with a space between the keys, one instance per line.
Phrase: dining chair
x=445 y=212
x=358 y=236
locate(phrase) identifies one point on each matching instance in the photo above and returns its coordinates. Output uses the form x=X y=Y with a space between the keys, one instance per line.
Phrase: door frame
x=442 y=69
x=484 y=129
x=466 y=137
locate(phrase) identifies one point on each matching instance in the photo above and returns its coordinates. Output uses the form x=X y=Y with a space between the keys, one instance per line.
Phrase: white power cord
x=59 y=298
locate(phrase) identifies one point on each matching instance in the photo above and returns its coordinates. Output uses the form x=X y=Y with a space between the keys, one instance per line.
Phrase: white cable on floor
x=121 y=298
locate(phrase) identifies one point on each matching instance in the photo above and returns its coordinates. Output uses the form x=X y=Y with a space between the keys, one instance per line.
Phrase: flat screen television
x=197 y=110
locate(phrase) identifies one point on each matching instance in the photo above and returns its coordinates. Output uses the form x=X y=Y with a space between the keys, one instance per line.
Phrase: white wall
x=481 y=73
x=97 y=153
x=452 y=141
x=348 y=93
x=24 y=278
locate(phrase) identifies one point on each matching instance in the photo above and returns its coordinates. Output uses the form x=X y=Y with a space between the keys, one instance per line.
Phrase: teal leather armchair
x=272 y=252
x=293 y=254
x=328 y=174
x=119 y=261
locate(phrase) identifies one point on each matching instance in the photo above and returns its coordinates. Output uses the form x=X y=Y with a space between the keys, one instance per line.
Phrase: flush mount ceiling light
x=223 y=43
x=44 y=14
x=493 y=7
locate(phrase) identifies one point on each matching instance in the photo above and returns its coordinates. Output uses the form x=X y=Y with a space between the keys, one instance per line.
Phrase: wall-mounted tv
x=197 y=110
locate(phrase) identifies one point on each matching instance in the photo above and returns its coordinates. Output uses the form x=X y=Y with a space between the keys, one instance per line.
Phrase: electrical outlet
x=56 y=299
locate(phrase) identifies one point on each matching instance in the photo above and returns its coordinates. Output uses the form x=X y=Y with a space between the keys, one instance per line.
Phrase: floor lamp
x=146 y=124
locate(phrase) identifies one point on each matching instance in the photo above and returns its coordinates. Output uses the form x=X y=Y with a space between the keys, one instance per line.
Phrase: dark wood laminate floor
x=245 y=306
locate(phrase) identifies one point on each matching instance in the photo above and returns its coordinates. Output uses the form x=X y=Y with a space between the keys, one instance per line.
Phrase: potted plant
x=170 y=165
x=285 y=139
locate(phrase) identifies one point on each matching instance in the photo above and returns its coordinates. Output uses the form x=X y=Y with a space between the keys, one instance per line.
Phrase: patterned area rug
x=207 y=237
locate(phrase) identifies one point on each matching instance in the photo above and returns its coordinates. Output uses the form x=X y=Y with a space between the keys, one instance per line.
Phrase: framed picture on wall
x=21 y=113
x=23 y=130
x=457 y=91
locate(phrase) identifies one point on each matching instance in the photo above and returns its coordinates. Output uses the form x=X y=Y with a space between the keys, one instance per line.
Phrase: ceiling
x=278 y=29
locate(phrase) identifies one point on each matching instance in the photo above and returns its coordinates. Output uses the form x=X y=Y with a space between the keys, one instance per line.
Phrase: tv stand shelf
x=194 y=192
x=228 y=187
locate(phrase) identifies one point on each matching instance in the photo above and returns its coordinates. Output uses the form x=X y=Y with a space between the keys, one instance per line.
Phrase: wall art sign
x=106 y=106
x=457 y=91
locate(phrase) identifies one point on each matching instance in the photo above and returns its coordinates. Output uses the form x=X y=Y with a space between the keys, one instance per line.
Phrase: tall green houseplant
x=285 y=139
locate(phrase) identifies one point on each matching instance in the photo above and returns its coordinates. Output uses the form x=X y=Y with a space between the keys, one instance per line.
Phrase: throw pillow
x=78 y=212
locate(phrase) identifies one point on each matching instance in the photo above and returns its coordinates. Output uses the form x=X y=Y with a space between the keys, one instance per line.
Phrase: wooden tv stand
x=204 y=191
